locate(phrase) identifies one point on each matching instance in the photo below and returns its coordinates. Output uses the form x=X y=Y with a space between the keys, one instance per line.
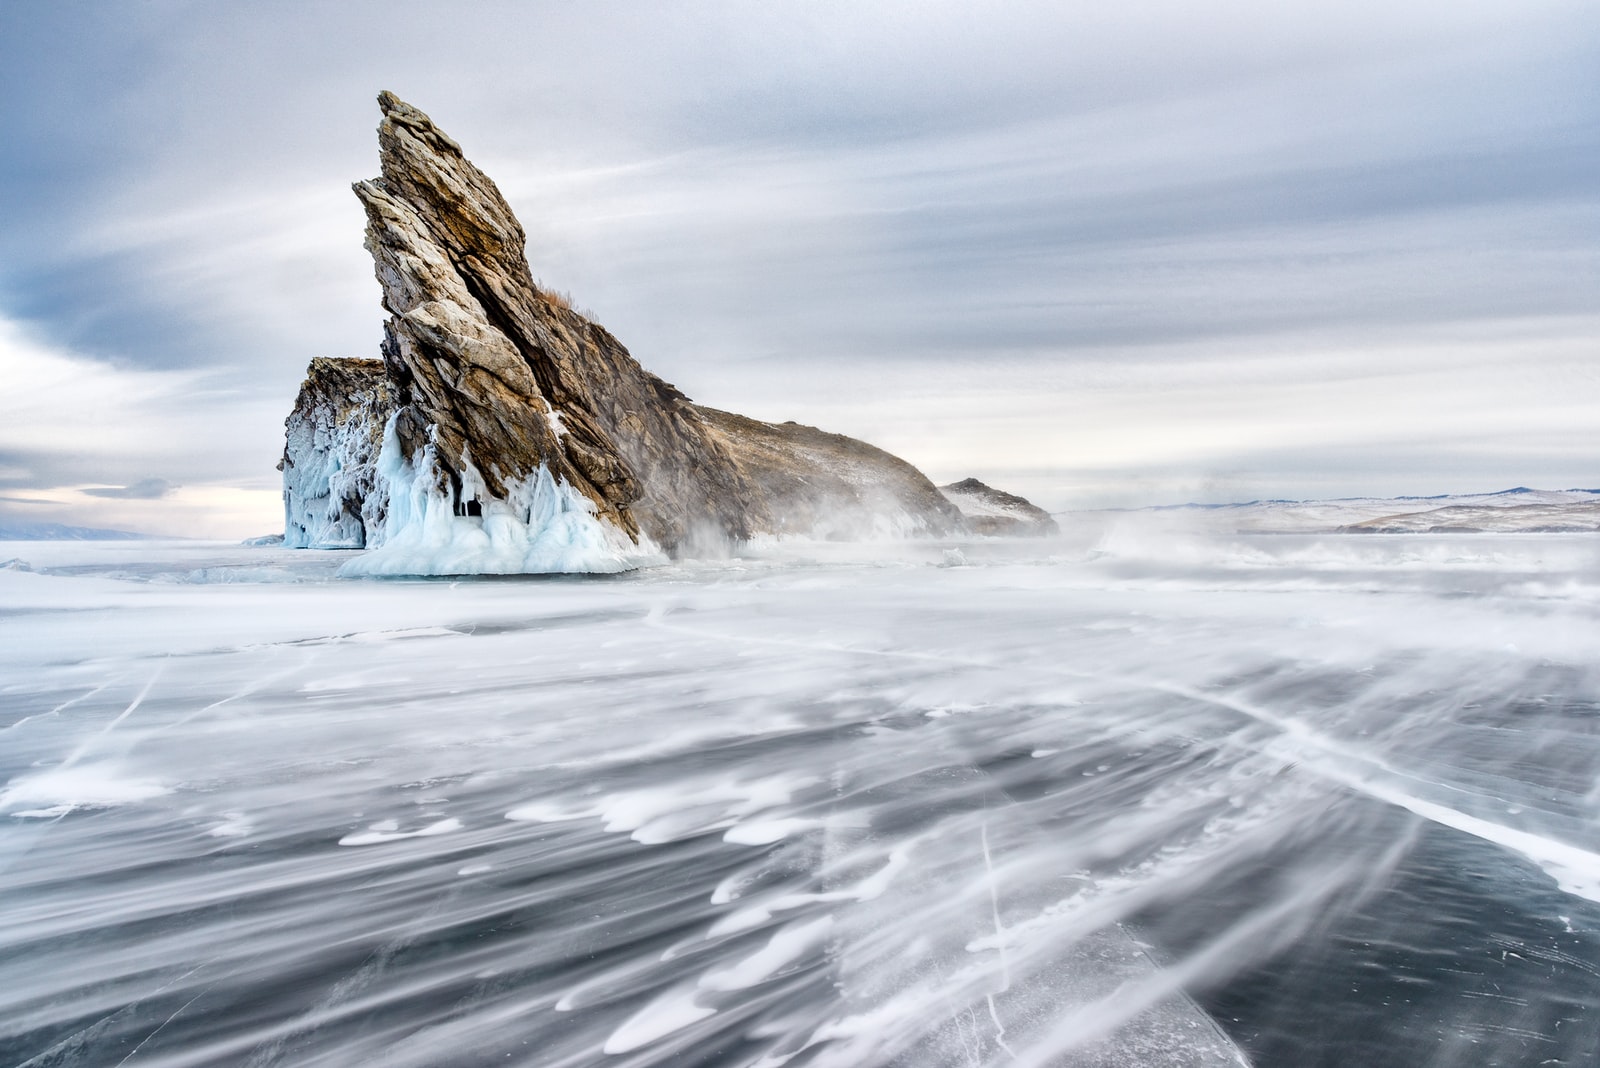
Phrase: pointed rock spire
x=511 y=379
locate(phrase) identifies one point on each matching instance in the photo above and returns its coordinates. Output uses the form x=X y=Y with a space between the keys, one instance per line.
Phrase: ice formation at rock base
x=541 y=525
x=332 y=496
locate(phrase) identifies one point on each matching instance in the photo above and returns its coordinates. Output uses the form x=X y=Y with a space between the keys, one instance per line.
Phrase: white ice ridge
x=543 y=526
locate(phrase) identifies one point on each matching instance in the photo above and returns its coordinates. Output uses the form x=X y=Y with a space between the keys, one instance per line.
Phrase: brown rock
x=487 y=359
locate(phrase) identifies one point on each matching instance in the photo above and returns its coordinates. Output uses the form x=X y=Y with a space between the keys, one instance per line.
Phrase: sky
x=1099 y=254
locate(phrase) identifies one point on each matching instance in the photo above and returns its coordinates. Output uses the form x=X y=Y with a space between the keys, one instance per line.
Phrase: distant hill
x=62 y=532
x=991 y=511
x=1512 y=511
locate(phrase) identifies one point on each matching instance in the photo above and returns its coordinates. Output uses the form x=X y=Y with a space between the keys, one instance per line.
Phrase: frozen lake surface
x=922 y=805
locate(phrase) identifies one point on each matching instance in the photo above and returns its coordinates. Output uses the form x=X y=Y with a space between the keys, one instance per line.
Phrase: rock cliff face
x=520 y=436
x=505 y=382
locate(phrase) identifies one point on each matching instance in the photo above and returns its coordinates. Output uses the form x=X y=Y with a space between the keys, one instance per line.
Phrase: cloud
x=146 y=489
x=57 y=401
x=1124 y=236
x=919 y=170
x=69 y=424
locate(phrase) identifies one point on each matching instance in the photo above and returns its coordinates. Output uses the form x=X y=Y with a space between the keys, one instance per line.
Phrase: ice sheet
x=818 y=803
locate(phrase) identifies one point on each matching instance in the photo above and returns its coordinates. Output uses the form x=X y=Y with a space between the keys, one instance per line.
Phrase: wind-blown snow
x=56 y=791
x=979 y=504
x=822 y=804
x=542 y=526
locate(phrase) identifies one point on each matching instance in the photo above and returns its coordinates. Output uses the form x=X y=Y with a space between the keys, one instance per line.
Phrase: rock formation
x=987 y=510
x=506 y=432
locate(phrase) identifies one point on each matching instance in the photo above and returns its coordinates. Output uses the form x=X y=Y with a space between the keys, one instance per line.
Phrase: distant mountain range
x=61 y=532
x=1512 y=511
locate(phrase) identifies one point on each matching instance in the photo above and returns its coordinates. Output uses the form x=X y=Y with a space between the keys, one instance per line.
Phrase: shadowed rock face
x=491 y=380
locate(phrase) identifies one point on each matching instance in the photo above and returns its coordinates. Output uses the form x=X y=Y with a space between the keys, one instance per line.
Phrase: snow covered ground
x=921 y=804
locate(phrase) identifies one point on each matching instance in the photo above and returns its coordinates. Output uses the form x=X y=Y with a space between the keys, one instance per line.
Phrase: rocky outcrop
x=523 y=436
x=332 y=496
x=821 y=485
x=987 y=510
x=508 y=379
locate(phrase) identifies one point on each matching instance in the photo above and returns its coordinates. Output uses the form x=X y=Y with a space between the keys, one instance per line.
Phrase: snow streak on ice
x=919 y=805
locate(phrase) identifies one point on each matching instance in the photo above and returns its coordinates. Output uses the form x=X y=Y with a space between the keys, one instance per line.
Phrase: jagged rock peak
x=398 y=112
x=512 y=383
x=464 y=340
x=462 y=206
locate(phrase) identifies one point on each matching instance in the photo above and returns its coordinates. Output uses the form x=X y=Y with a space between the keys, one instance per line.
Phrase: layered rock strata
x=523 y=436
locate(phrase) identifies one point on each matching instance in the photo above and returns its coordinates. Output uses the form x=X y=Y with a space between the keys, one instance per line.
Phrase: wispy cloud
x=146 y=489
x=1151 y=238
x=69 y=424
